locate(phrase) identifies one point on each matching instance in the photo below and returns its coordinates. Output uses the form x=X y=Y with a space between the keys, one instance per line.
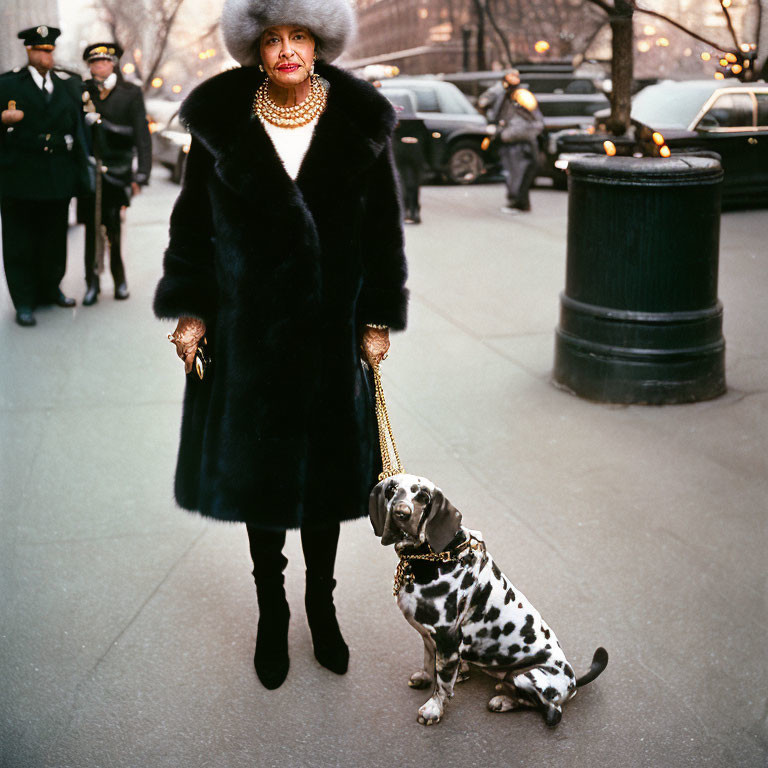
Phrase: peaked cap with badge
x=42 y=37
x=97 y=51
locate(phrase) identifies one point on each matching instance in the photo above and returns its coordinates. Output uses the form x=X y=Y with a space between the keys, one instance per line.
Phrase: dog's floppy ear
x=380 y=517
x=443 y=522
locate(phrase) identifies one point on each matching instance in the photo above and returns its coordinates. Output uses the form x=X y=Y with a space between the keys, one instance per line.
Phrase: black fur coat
x=281 y=432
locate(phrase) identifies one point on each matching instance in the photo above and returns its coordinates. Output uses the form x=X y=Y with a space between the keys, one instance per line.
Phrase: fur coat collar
x=219 y=114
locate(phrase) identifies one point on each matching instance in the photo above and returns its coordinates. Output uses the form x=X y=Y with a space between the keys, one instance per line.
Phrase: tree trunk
x=480 y=13
x=621 y=67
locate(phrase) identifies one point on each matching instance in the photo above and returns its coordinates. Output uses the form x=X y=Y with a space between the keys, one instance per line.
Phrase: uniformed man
x=43 y=164
x=119 y=131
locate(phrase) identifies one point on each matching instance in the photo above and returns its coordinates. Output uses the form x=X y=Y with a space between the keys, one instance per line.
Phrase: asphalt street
x=127 y=625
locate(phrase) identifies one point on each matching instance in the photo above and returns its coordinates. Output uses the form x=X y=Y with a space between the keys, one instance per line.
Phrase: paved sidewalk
x=127 y=626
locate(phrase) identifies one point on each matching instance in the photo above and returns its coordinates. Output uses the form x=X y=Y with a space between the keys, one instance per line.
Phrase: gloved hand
x=375 y=344
x=186 y=337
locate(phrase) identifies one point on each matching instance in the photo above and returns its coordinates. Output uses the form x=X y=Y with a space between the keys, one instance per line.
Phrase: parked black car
x=461 y=149
x=723 y=117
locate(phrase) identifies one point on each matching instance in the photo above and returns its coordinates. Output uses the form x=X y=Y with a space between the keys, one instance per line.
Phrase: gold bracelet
x=377 y=327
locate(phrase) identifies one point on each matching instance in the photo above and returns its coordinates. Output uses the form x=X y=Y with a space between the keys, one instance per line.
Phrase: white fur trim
x=332 y=22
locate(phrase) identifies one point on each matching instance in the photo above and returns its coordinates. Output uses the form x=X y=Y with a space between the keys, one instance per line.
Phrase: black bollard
x=640 y=321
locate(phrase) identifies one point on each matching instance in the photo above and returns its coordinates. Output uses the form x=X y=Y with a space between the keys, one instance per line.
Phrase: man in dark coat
x=43 y=164
x=120 y=129
x=519 y=124
x=410 y=144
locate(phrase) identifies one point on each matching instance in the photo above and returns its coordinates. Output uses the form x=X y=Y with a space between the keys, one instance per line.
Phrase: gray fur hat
x=331 y=22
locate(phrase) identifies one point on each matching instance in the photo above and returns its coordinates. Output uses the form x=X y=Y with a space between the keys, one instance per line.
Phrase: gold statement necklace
x=290 y=117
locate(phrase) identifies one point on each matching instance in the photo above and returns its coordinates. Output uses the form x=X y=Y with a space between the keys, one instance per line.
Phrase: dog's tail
x=599 y=663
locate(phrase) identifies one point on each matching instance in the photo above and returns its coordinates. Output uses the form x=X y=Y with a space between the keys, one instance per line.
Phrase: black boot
x=92 y=294
x=319 y=545
x=271 y=656
x=330 y=649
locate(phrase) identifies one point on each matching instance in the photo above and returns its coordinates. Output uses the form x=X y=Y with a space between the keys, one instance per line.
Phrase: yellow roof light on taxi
x=610 y=148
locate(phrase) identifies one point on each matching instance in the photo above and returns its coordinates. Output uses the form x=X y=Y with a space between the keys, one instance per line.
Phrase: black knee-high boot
x=271 y=657
x=319 y=545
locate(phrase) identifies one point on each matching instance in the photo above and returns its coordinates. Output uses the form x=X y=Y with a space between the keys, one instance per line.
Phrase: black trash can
x=640 y=321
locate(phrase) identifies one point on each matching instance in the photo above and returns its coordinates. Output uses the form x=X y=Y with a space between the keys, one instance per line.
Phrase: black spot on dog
x=480 y=597
x=450 y=607
x=546 y=634
x=526 y=648
x=568 y=671
x=446 y=674
x=514 y=649
x=467 y=581
x=467 y=640
x=409 y=588
x=495 y=632
x=519 y=605
x=509 y=628
x=559 y=663
x=549 y=693
x=483 y=632
x=447 y=567
x=491 y=651
x=527 y=632
x=547 y=646
x=496 y=571
x=509 y=597
x=470 y=655
x=446 y=641
x=436 y=590
x=426 y=613
x=493 y=614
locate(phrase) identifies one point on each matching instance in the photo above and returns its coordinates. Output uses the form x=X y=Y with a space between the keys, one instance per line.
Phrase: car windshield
x=667 y=106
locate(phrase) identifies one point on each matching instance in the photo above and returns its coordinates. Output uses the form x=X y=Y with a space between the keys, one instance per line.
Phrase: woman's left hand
x=375 y=344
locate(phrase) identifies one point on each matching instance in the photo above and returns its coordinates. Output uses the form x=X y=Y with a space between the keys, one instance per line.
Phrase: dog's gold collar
x=403 y=573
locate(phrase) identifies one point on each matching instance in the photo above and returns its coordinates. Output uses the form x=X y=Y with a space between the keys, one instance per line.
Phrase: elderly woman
x=286 y=254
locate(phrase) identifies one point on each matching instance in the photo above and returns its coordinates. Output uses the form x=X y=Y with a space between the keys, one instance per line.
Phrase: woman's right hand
x=189 y=331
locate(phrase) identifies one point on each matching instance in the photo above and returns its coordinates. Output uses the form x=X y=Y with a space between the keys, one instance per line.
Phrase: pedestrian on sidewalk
x=519 y=126
x=43 y=164
x=119 y=131
x=286 y=254
x=410 y=142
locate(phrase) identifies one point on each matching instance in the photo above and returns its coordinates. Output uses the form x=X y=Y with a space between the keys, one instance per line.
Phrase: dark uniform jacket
x=123 y=127
x=43 y=157
x=285 y=274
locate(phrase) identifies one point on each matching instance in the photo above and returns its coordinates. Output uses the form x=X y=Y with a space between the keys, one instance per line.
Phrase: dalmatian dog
x=456 y=597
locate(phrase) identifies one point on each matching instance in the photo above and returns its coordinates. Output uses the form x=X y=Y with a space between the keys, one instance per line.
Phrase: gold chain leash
x=389 y=466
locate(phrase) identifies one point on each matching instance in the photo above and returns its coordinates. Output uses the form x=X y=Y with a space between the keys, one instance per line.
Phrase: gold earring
x=261 y=67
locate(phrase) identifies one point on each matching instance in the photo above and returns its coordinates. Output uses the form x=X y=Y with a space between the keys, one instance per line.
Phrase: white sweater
x=291 y=144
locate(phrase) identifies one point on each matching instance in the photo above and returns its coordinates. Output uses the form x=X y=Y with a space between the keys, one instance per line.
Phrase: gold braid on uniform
x=290 y=117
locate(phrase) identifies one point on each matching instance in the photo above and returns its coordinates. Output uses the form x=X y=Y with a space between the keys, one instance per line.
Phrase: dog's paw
x=431 y=713
x=463 y=672
x=420 y=679
x=503 y=704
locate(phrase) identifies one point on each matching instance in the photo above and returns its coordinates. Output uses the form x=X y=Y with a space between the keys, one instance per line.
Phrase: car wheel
x=465 y=163
x=177 y=172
